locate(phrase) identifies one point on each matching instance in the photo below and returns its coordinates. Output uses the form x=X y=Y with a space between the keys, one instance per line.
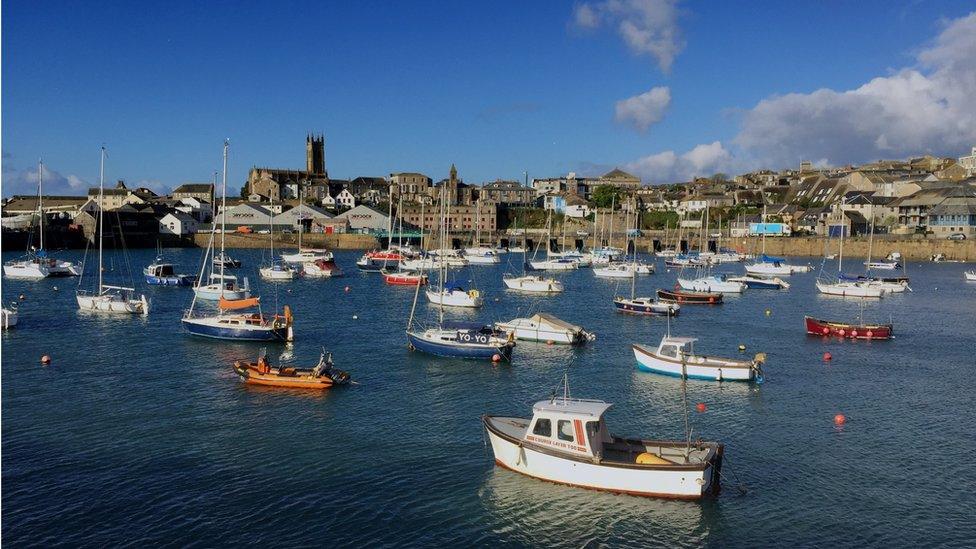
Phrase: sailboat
x=704 y=280
x=531 y=284
x=107 y=298
x=400 y=276
x=841 y=287
x=643 y=305
x=551 y=263
x=218 y=284
x=36 y=264
x=893 y=285
x=376 y=261
x=457 y=339
x=305 y=256
x=276 y=269
x=769 y=266
x=453 y=296
x=230 y=322
x=479 y=254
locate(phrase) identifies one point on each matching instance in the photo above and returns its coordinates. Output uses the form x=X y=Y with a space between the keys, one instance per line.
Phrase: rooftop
x=594 y=408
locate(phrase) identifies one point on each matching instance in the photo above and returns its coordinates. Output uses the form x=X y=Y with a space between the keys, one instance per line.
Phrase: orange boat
x=323 y=376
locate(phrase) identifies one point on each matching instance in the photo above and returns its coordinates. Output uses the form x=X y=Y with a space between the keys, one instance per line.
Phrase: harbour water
x=137 y=433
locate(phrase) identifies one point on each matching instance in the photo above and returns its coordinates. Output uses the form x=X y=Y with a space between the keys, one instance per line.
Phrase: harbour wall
x=315 y=240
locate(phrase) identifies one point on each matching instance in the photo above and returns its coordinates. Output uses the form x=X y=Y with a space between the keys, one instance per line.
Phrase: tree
x=605 y=195
x=244 y=193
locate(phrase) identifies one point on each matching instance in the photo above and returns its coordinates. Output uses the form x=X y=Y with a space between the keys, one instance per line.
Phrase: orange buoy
x=701 y=407
x=549 y=342
x=45 y=359
x=827 y=356
x=496 y=357
x=840 y=419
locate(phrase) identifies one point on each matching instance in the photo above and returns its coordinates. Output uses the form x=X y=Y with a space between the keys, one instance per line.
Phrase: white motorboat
x=970 y=276
x=321 y=268
x=455 y=297
x=107 y=298
x=714 y=283
x=223 y=285
x=615 y=270
x=29 y=268
x=567 y=442
x=481 y=256
x=8 y=317
x=547 y=328
x=533 y=284
x=764 y=268
x=278 y=270
x=307 y=255
x=223 y=259
x=675 y=356
x=849 y=289
x=554 y=265
x=882 y=265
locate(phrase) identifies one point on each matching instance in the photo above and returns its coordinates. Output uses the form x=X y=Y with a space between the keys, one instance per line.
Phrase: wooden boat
x=675 y=356
x=567 y=442
x=689 y=297
x=323 y=376
x=816 y=326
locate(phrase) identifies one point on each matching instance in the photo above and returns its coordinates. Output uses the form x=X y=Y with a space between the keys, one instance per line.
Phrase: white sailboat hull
x=689 y=484
x=475 y=259
x=307 y=256
x=711 y=284
x=849 y=289
x=455 y=298
x=533 y=284
x=272 y=273
x=9 y=319
x=693 y=367
x=771 y=269
x=26 y=270
x=971 y=276
x=528 y=329
x=112 y=303
x=614 y=271
x=553 y=265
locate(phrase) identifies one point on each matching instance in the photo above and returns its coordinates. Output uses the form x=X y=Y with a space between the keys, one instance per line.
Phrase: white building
x=363 y=218
x=969 y=162
x=178 y=223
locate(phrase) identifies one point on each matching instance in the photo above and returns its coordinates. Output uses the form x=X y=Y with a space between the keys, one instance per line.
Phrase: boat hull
x=711 y=285
x=689 y=298
x=112 y=304
x=820 y=327
x=26 y=271
x=458 y=350
x=185 y=280
x=455 y=299
x=688 y=482
x=401 y=279
x=214 y=292
x=533 y=285
x=858 y=290
x=649 y=361
x=625 y=305
x=207 y=327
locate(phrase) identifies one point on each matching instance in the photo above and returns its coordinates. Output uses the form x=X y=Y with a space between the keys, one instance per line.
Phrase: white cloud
x=930 y=108
x=648 y=27
x=668 y=166
x=645 y=109
x=24 y=181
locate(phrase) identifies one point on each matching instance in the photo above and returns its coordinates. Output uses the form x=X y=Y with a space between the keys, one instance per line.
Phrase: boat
x=768 y=266
x=531 y=284
x=457 y=340
x=891 y=262
x=160 y=273
x=675 y=356
x=761 y=283
x=820 y=327
x=8 y=316
x=238 y=326
x=546 y=328
x=36 y=264
x=688 y=297
x=455 y=296
x=108 y=298
x=892 y=285
x=719 y=283
x=645 y=306
x=404 y=278
x=321 y=268
x=276 y=269
x=214 y=283
x=566 y=441
x=845 y=288
x=970 y=276
x=551 y=263
x=615 y=270
x=323 y=375
x=305 y=256
x=479 y=254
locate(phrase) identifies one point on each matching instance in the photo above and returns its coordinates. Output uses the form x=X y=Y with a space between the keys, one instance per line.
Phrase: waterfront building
x=365 y=219
x=277 y=184
x=508 y=193
x=461 y=218
x=956 y=213
x=111 y=198
x=178 y=223
x=968 y=163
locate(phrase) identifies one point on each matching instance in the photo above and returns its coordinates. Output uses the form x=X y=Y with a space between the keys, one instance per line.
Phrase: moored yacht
x=675 y=356
x=547 y=328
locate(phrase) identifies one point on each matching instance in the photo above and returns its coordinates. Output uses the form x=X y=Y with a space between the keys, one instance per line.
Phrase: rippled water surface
x=137 y=433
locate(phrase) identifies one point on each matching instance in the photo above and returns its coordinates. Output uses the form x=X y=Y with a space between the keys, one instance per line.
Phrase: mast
x=101 y=226
x=416 y=292
x=442 y=268
x=389 y=222
x=867 y=265
x=612 y=203
x=301 y=224
x=633 y=274
x=223 y=218
x=40 y=199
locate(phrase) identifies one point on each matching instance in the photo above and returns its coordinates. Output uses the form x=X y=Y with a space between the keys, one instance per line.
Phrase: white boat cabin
x=574 y=426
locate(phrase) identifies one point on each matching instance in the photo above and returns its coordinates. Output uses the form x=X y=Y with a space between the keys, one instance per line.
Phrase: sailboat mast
x=613 y=202
x=223 y=217
x=40 y=198
x=442 y=268
x=101 y=226
x=389 y=222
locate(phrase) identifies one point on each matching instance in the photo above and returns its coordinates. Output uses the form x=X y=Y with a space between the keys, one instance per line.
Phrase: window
x=543 y=428
x=669 y=350
x=566 y=430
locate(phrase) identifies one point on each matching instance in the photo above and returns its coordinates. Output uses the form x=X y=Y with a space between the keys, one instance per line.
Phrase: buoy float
x=711 y=300
x=701 y=407
x=347 y=288
x=549 y=342
x=853 y=333
x=496 y=357
x=45 y=359
x=840 y=419
x=842 y=332
x=827 y=356
x=22 y=297
x=55 y=288
x=768 y=312
x=355 y=317
x=742 y=347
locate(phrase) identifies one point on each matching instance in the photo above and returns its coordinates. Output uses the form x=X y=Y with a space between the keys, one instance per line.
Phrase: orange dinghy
x=323 y=376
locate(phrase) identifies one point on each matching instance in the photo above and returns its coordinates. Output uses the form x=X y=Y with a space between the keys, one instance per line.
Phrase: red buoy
x=496 y=357
x=701 y=407
x=827 y=356
x=45 y=360
x=840 y=419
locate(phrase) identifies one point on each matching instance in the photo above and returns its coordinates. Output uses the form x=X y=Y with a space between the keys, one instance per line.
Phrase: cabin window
x=669 y=350
x=543 y=428
x=566 y=430
x=593 y=431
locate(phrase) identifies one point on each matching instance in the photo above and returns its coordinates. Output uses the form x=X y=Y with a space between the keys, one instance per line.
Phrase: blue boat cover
x=770 y=259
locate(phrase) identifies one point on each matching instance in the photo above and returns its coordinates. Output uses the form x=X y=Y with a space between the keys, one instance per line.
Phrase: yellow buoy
x=651 y=459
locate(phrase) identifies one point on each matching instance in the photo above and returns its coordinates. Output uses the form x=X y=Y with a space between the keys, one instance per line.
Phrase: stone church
x=281 y=184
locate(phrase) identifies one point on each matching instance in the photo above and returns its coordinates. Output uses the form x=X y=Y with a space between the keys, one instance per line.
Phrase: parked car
x=956 y=236
x=245 y=230
x=264 y=231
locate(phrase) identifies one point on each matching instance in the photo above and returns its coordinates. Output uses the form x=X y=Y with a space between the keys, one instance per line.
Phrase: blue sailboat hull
x=170 y=280
x=236 y=334
x=458 y=350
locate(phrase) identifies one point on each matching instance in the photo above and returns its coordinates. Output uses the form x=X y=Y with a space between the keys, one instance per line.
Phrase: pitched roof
x=617 y=173
x=196 y=188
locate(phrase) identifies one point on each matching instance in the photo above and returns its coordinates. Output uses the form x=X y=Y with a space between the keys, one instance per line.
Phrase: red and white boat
x=816 y=326
x=404 y=278
x=321 y=268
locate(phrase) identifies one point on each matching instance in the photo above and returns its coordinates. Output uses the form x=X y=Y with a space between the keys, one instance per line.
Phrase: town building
x=413 y=187
x=178 y=223
x=968 y=163
x=278 y=184
x=955 y=214
x=366 y=219
x=200 y=191
x=464 y=218
x=508 y=193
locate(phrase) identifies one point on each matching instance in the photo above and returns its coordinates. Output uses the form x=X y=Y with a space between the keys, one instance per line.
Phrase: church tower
x=315 y=154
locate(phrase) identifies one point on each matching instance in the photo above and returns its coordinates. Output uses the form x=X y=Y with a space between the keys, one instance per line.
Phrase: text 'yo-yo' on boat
x=323 y=376
x=566 y=441
x=675 y=356
x=547 y=328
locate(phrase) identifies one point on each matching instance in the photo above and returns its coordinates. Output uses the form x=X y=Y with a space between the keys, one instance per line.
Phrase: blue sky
x=497 y=88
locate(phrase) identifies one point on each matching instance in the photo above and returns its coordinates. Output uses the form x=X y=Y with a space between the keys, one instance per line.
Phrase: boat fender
x=853 y=333
x=870 y=334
